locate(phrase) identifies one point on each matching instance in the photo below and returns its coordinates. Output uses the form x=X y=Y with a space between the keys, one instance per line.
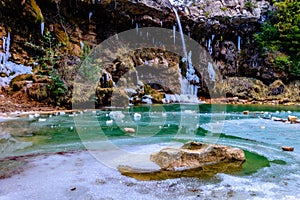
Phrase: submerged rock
x=196 y=154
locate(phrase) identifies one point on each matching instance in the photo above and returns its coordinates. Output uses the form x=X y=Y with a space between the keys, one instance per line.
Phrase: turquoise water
x=268 y=169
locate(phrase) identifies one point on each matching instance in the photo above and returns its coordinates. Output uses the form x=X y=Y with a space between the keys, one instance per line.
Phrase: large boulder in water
x=196 y=154
x=194 y=159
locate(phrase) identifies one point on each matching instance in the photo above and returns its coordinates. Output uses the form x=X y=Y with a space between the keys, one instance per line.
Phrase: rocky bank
x=55 y=36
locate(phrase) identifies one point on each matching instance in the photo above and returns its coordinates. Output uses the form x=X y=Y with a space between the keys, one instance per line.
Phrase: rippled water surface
x=268 y=172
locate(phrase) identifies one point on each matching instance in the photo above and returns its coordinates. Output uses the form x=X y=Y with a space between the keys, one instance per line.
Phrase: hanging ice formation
x=7 y=67
x=42 y=28
x=189 y=91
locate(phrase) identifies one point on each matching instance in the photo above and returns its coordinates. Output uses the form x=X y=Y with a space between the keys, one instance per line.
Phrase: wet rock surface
x=196 y=154
x=79 y=26
x=193 y=159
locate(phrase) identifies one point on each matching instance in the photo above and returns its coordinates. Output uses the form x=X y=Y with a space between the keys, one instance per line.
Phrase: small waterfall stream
x=189 y=91
x=181 y=32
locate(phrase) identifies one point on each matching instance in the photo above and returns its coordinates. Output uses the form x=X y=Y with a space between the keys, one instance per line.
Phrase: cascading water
x=189 y=91
x=181 y=32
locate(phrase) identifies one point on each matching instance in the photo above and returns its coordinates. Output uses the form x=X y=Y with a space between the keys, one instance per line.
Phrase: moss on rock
x=33 y=12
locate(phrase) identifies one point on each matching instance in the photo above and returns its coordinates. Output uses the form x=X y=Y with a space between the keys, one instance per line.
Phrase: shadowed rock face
x=194 y=159
x=74 y=23
x=196 y=154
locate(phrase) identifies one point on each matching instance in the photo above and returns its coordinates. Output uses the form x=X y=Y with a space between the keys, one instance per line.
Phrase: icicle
x=239 y=43
x=137 y=28
x=174 y=33
x=42 y=28
x=147 y=34
x=132 y=21
x=212 y=37
x=7 y=55
x=209 y=47
x=3 y=45
x=81 y=45
x=161 y=23
x=1 y=59
x=90 y=15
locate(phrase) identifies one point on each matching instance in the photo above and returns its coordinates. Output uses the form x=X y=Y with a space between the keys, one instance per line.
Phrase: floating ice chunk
x=42 y=120
x=116 y=115
x=189 y=111
x=109 y=122
x=137 y=116
x=31 y=116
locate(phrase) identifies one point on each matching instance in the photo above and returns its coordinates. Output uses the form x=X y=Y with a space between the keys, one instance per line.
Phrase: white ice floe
x=137 y=116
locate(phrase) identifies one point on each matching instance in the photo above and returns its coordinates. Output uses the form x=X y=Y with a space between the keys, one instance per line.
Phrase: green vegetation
x=57 y=88
x=280 y=35
x=48 y=56
x=207 y=13
x=250 y=5
x=224 y=8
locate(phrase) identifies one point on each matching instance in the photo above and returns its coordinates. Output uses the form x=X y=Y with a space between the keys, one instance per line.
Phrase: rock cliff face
x=52 y=35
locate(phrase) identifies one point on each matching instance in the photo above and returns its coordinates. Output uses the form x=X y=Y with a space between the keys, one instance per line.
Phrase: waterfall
x=42 y=28
x=189 y=91
x=181 y=32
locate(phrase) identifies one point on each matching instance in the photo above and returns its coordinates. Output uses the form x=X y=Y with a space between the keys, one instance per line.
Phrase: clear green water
x=162 y=125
